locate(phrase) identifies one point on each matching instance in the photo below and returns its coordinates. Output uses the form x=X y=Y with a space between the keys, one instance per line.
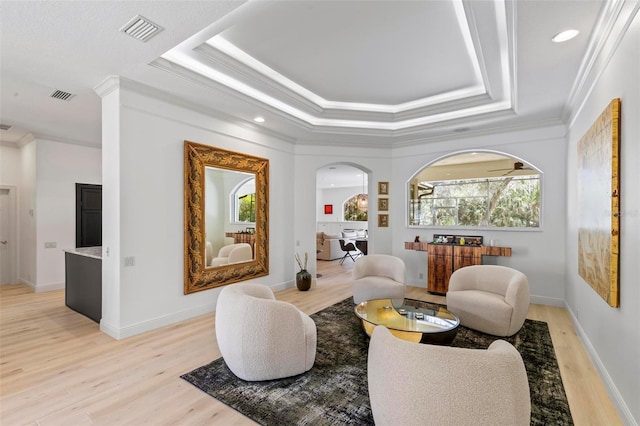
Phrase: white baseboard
x=48 y=287
x=119 y=333
x=612 y=390
x=152 y=324
x=547 y=301
x=282 y=286
x=41 y=288
x=27 y=283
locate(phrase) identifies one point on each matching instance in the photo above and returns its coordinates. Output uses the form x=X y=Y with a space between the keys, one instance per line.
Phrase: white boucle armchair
x=233 y=253
x=419 y=384
x=261 y=338
x=378 y=276
x=489 y=298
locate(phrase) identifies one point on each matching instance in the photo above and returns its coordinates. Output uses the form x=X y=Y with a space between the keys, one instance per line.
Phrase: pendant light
x=362 y=199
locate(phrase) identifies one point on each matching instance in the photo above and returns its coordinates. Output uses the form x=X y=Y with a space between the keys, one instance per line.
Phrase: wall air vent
x=5 y=127
x=63 y=96
x=141 y=28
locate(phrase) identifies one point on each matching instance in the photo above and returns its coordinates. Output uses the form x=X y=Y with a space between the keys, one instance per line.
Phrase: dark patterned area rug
x=334 y=391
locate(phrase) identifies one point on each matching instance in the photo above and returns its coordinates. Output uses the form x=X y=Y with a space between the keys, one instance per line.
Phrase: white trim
x=547 y=301
x=12 y=237
x=155 y=323
x=120 y=333
x=612 y=390
x=48 y=287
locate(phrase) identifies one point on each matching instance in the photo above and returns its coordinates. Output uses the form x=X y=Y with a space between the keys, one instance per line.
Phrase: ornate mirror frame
x=196 y=276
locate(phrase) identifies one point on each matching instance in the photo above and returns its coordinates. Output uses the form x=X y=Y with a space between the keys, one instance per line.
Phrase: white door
x=7 y=236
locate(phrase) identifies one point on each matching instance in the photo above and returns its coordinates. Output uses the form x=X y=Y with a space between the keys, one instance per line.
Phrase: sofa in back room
x=328 y=246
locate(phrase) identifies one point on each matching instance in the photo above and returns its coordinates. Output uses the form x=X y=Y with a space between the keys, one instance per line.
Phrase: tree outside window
x=504 y=202
x=352 y=212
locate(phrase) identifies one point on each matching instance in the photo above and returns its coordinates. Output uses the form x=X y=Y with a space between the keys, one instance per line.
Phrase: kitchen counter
x=94 y=252
x=83 y=281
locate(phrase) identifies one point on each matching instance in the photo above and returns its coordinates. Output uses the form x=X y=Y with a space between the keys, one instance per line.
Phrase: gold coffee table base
x=428 y=324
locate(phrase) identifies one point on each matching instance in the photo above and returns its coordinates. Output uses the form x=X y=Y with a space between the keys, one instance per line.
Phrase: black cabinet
x=83 y=285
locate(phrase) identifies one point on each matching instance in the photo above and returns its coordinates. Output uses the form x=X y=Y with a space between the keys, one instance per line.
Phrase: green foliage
x=351 y=211
x=512 y=202
x=247 y=208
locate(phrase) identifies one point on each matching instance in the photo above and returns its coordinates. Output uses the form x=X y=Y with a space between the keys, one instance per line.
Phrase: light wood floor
x=57 y=368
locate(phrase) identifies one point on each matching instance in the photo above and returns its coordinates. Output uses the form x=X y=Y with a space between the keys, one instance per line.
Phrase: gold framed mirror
x=198 y=274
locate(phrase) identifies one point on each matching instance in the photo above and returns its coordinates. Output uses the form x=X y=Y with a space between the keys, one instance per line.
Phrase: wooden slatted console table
x=443 y=259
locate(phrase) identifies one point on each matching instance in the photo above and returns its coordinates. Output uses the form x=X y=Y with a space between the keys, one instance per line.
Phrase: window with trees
x=476 y=190
x=353 y=212
x=245 y=202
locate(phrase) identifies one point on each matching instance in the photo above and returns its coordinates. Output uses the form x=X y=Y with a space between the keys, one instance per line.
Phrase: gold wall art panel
x=599 y=204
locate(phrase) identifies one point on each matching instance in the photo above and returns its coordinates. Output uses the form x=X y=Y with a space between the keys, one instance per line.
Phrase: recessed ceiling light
x=259 y=119
x=564 y=36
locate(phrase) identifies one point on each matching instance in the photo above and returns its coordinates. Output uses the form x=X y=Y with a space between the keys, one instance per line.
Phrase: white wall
x=45 y=173
x=26 y=216
x=336 y=197
x=144 y=173
x=309 y=158
x=9 y=165
x=611 y=334
x=539 y=254
x=59 y=166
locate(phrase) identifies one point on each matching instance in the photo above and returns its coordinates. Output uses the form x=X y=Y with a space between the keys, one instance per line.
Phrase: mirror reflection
x=226 y=217
x=476 y=189
x=230 y=215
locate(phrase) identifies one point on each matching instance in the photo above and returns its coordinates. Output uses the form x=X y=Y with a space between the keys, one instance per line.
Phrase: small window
x=484 y=190
x=356 y=207
x=245 y=202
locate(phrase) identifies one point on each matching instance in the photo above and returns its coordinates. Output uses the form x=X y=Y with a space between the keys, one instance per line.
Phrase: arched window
x=353 y=211
x=479 y=189
x=244 y=202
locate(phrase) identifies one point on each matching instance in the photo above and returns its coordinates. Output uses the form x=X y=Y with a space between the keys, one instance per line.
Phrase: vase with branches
x=303 y=278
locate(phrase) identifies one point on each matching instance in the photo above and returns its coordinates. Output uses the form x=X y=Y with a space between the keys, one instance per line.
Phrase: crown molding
x=610 y=29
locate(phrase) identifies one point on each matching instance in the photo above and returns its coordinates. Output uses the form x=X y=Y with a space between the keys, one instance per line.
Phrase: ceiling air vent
x=5 y=127
x=63 y=96
x=141 y=28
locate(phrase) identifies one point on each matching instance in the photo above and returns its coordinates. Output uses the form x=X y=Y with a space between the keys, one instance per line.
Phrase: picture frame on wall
x=383 y=220
x=383 y=188
x=383 y=204
x=328 y=209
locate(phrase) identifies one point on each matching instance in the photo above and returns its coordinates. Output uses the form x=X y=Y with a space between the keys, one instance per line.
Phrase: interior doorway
x=88 y=215
x=8 y=235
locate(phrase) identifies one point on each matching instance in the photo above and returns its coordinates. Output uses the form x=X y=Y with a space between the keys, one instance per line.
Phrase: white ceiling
x=362 y=73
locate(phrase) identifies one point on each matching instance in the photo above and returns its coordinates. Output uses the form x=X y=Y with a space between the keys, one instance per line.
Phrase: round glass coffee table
x=426 y=323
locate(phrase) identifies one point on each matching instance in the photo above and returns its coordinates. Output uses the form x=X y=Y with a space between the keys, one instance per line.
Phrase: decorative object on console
x=383 y=188
x=599 y=204
x=303 y=278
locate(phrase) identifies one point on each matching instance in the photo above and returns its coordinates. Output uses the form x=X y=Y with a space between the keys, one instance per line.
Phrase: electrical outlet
x=51 y=244
x=130 y=261
x=421 y=276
